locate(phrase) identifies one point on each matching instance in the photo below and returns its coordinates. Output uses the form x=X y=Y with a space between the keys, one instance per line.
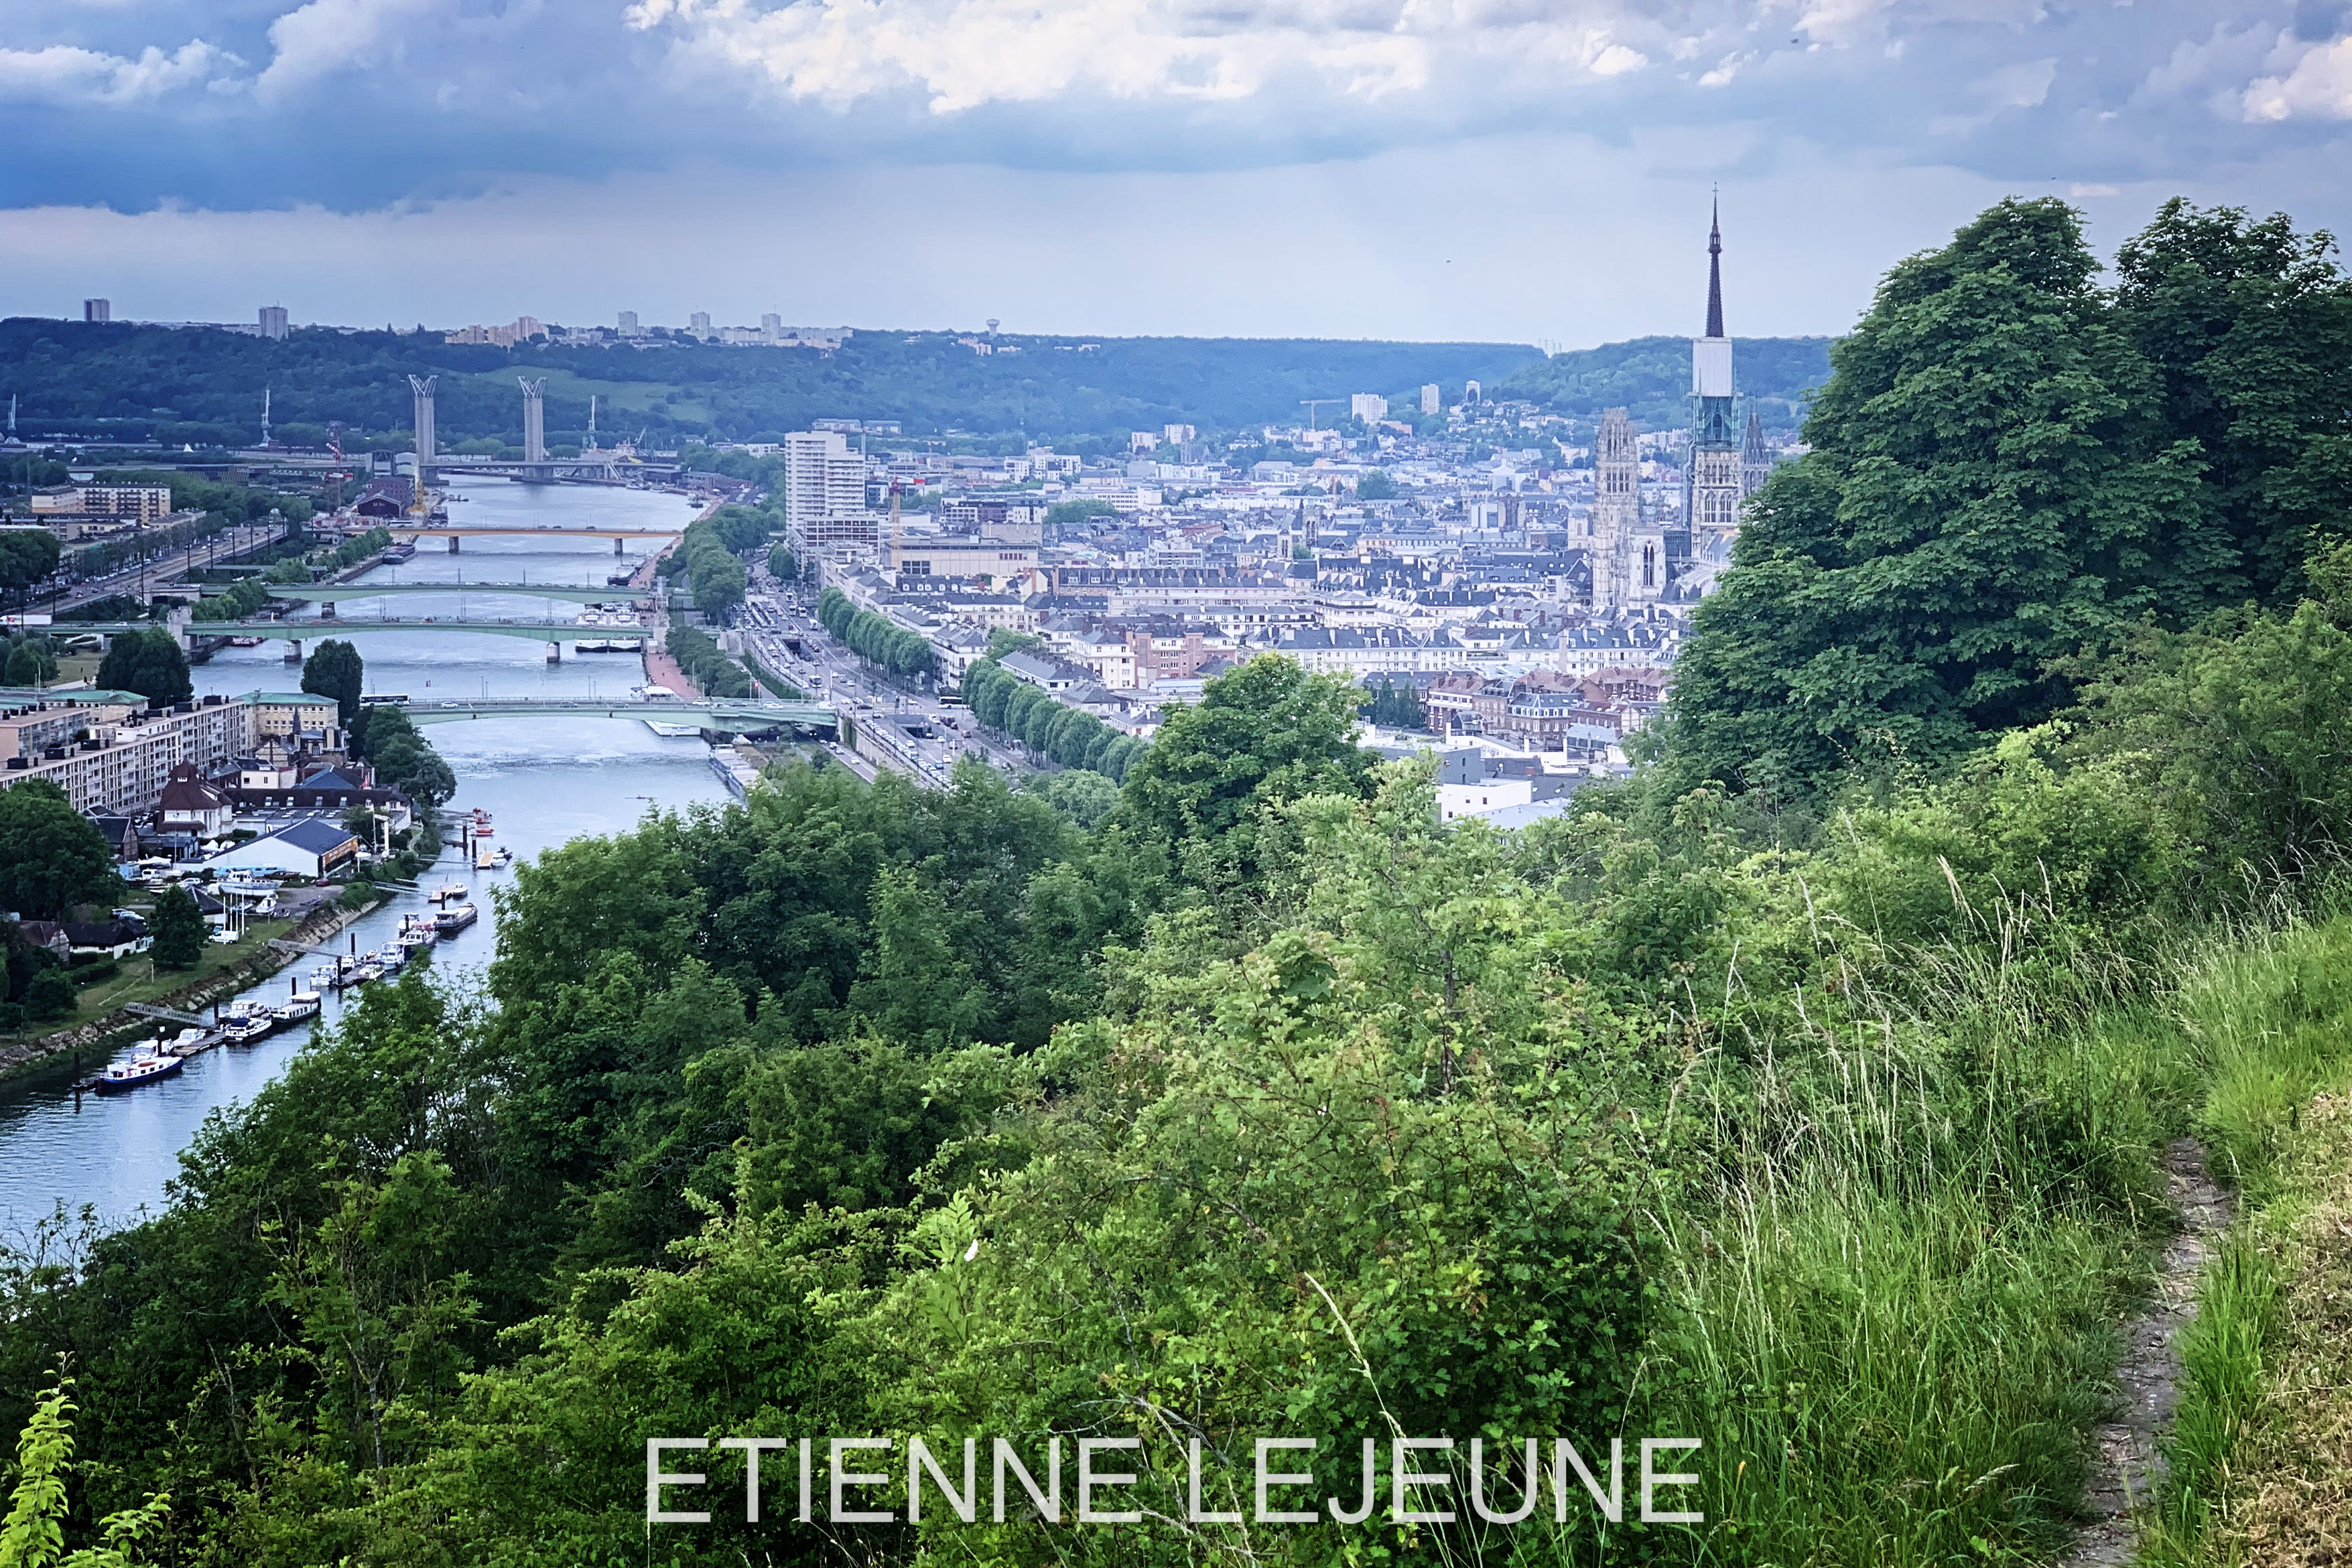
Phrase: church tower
x=1755 y=462
x=1715 y=480
x=1618 y=536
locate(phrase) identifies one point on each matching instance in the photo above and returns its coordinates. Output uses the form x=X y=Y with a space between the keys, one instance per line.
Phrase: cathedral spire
x=1715 y=272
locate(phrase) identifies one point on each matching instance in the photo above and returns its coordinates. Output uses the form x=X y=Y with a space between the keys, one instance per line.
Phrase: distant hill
x=129 y=382
x=1652 y=377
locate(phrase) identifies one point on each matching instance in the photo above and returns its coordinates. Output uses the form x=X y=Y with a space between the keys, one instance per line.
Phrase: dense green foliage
x=31 y=659
x=711 y=556
x=178 y=930
x=781 y=564
x=875 y=638
x=705 y=664
x=403 y=760
x=1069 y=736
x=51 y=857
x=1395 y=707
x=2003 y=481
x=149 y=662
x=123 y=381
x=1249 y=1099
x=1651 y=379
x=27 y=555
x=335 y=669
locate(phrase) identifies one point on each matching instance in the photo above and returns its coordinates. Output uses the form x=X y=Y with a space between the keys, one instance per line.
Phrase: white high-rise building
x=1369 y=406
x=629 y=323
x=824 y=479
x=699 y=323
x=273 y=320
x=771 y=326
x=1429 y=404
x=98 y=309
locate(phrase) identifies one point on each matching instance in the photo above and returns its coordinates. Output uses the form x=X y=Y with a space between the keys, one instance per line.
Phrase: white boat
x=457 y=918
x=141 y=1069
x=299 y=1006
x=451 y=890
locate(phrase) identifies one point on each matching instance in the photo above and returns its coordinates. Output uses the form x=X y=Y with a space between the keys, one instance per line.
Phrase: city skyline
x=1141 y=167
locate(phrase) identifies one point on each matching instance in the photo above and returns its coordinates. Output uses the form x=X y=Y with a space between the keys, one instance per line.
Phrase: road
x=137 y=577
x=774 y=612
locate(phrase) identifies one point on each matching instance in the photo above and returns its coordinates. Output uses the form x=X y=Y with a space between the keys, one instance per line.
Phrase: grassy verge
x=2261 y=1451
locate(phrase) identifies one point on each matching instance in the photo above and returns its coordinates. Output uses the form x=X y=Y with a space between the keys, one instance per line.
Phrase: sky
x=1496 y=170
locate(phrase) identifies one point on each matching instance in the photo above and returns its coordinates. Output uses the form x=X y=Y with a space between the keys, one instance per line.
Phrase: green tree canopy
x=1988 y=493
x=30 y=663
x=26 y=556
x=1265 y=733
x=2248 y=329
x=51 y=856
x=335 y=669
x=1376 y=485
x=149 y=662
x=178 y=930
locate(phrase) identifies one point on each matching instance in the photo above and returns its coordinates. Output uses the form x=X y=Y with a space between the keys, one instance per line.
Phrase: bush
x=48 y=996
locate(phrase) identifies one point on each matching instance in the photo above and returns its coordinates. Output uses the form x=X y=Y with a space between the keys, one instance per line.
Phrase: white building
x=1369 y=406
x=823 y=478
x=1429 y=404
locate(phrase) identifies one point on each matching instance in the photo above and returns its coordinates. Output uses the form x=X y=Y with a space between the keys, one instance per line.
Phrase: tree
x=32 y=1535
x=335 y=669
x=26 y=556
x=1062 y=514
x=48 y=996
x=51 y=857
x=1985 y=497
x=30 y=663
x=2248 y=327
x=149 y=662
x=781 y=564
x=177 y=928
x=1376 y=485
x=1265 y=733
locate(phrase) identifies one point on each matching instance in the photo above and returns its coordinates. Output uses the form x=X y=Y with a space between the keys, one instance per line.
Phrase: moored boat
x=450 y=891
x=299 y=1004
x=456 y=919
x=145 y=1068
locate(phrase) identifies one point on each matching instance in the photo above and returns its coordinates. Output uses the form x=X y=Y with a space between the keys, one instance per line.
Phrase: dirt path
x=2129 y=1467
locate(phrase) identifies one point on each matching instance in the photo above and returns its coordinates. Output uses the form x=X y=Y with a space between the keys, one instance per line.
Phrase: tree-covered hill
x=1652 y=377
x=124 y=380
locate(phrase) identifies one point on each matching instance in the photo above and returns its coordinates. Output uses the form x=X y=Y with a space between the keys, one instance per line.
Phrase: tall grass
x=1898 y=1279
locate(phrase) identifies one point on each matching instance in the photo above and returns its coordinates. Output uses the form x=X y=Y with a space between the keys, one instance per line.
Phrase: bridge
x=453 y=533
x=603 y=468
x=723 y=713
x=552 y=632
x=335 y=592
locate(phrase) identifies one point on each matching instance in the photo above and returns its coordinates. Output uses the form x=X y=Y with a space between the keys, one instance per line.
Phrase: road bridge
x=720 y=713
x=555 y=634
x=335 y=592
x=453 y=532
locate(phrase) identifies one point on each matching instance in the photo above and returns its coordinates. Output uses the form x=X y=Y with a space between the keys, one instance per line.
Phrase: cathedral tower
x=1617 y=516
x=1755 y=462
x=1715 y=480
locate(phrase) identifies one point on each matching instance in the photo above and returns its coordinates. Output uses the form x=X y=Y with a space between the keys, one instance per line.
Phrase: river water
x=543 y=780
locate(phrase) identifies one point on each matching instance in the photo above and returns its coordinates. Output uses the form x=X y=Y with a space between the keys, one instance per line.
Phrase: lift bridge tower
x=534 y=418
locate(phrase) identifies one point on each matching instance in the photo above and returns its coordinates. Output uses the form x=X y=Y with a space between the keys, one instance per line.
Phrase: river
x=543 y=782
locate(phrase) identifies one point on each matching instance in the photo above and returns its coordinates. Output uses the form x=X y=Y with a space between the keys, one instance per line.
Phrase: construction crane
x=1311 y=404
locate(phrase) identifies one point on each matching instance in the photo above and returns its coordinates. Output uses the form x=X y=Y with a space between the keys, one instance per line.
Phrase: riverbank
x=119 y=1026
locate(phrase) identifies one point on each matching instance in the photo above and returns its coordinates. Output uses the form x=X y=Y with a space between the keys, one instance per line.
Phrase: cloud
x=62 y=74
x=962 y=54
x=326 y=38
x=2319 y=88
